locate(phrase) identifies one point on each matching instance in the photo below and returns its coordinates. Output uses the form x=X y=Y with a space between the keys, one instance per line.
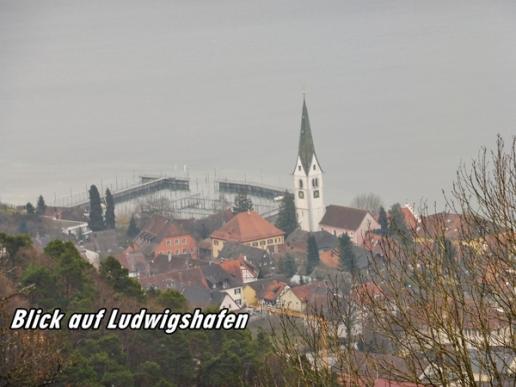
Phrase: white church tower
x=308 y=180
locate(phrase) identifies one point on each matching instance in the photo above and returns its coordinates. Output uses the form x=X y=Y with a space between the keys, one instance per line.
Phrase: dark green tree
x=110 y=211
x=30 y=209
x=312 y=253
x=287 y=217
x=12 y=245
x=346 y=254
x=23 y=228
x=173 y=300
x=45 y=293
x=242 y=203
x=96 y=222
x=71 y=272
x=132 y=229
x=397 y=226
x=288 y=265
x=384 y=221
x=118 y=277
x=41 y=206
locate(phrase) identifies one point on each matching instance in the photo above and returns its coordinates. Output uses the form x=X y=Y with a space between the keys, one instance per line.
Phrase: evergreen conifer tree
x=96 y=221
x=312 y=253
x=288 y=265
x=384 y=222
x=132 y=230
x=41 y=206
x=109 y=216
x=287 y=217
x=346 y=254
x=397 y=226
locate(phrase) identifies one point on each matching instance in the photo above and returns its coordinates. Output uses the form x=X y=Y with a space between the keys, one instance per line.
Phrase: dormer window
x=315 y=167
x=299 y=167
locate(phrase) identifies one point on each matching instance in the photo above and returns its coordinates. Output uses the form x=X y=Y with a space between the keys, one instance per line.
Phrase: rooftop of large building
x=245 y=227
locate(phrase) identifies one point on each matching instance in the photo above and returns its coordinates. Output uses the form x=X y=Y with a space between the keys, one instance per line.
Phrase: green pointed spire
x=306 y=142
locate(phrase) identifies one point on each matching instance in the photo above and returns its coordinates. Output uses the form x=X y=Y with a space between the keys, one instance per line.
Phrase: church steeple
x=308 y=179
x=306 y=150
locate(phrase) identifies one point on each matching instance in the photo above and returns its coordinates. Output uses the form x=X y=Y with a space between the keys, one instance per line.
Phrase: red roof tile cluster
x=409 y=217
x=234 y=267
x=247 y=227
x=273 y=290
x=329 y=258
x=314 y=293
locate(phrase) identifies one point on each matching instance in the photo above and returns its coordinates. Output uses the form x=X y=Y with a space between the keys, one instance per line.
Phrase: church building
x=308 y=179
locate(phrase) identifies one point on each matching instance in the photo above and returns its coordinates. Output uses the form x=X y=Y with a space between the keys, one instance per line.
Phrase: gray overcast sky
x=398 y=91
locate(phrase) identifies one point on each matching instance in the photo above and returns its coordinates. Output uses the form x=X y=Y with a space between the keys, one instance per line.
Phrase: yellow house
x=249 y=296
x=288 y=300
x=297 y=299
x=264 y=292
x=250 y=229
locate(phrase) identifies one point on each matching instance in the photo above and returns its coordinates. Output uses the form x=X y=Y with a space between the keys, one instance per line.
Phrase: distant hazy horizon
x=398 y=92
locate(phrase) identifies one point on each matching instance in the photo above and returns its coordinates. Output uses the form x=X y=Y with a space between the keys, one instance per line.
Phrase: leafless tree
x=367 y=201
x=442 y=300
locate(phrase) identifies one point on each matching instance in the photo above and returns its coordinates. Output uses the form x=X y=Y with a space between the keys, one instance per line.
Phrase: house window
x=255 y=244
x=215 y=242
x=262 y=243
x=270 y=241
x=299 y=167
x=315 y=182
x=183 y=241
x=237 y=291
x=315 y=167
x=177 y=241
x=301 y=195
x=238 y=302
x=316 y=194
x=300 y=183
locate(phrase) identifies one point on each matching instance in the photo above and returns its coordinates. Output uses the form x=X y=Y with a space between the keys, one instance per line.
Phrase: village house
x=298 y=298
x=263 y=292
x=134 y=261
x=219 y=279
x=354 y=222
x=199 y=297
x=259 y=258
x=241 y=269
x=248 y=228
x=164 y=236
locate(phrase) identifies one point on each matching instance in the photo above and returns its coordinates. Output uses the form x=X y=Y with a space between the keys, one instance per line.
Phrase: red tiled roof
x=410 y=219
x=314 y=293
x=329 y=259
x=233 y=266
x=347 y=218
x=246 y=227
x=272 y=290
